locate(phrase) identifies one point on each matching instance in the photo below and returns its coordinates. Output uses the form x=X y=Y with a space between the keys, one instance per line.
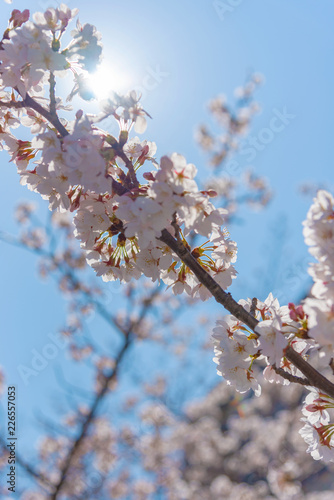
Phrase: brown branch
x=253 y=306
x=118 y=188
x=176 y=228
x=221 y=297
x=331 y=365
x=29 y=102
x=11 y=104
x=88 y=420
x=315 y=378
x=290 y=377
x=100 y=395
x=146 y=304
x=52 y=82
x=128 y=163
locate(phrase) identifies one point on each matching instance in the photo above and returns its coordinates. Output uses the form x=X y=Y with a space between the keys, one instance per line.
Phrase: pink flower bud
x=79 y=114
x=18 y=17
x=293 y=315
x=300 y=312
x=148 y=176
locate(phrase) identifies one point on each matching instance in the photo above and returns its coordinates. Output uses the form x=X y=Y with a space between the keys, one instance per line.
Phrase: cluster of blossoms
x=121 y=233
x=318 y=431
x=237 y=347
x=319 y=235
x=307 y=328
x=78 y=167
x=30 y=50
x=231 y=187
x=233 y=122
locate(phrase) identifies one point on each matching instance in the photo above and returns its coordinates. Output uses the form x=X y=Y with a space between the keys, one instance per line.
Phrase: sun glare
x=107 y=79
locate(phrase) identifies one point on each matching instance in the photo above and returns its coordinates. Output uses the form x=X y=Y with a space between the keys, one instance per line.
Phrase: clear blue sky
x=198 y=54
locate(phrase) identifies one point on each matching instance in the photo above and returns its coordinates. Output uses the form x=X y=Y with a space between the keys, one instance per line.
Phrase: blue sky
x=194 y=54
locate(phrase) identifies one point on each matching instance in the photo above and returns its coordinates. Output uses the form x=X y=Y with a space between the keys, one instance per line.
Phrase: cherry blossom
x=233 y=355
x=272 y=341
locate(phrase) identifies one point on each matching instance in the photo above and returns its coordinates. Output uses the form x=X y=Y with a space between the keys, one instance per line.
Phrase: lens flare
x=107 y=79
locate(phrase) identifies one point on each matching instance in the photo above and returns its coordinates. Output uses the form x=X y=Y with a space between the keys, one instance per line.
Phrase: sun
x=109 y=78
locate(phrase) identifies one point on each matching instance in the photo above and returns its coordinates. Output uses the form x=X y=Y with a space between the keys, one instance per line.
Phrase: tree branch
x=100 y=395
x=88 y=420
x=29 y=102
x=221 y=297
x=128 y=163
x=315 y=378
x=290 y=377
x=52 y=82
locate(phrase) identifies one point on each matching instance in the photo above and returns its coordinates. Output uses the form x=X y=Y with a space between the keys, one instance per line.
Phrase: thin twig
x=52 y=82
x=290 y=377
x=128 y=163
x=331 y=364
x=253 y=306
x=29 y=102
x=88 y=420
x=66 y=272
x=221 y=297
x=100 y=395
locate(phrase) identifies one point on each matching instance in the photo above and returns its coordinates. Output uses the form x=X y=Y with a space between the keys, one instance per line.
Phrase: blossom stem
x=128 y=163
x=52 y=82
